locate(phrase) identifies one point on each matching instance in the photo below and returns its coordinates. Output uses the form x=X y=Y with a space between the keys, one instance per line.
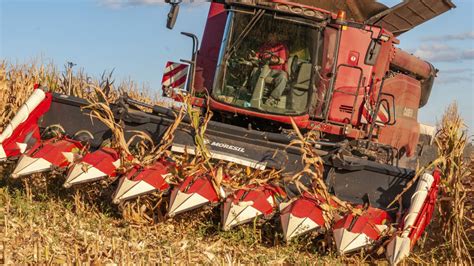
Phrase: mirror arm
x=192 y=62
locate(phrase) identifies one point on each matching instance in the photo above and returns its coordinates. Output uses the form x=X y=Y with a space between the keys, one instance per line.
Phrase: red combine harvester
x=331 y=68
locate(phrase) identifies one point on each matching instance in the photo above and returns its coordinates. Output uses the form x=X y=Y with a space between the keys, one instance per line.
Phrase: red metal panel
x=342 y=103
x=353 y=41
x=210 y=46
x=175 y=75
x=412 y=64
x=301 y=121
x=404 y=134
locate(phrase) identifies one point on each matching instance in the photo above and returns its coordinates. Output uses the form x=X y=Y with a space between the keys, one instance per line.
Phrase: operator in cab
x=275 y=53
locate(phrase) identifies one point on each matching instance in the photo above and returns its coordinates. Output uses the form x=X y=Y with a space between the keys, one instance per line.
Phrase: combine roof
x=398 y=19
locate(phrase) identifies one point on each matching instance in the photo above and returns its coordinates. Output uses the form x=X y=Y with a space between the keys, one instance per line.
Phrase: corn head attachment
x=354 y=232
x=368 y=186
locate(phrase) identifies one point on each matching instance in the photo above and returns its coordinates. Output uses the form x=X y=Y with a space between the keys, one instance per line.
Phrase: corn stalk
x=313 y=167
x=451 y=141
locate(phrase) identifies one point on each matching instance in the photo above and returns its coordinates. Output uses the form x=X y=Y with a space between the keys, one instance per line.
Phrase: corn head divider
x=366 y=185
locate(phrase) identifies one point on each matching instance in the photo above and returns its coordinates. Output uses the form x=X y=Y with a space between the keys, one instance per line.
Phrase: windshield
x=268 y=66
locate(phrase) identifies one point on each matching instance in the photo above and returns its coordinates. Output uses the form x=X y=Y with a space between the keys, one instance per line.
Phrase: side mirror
x=173 y=14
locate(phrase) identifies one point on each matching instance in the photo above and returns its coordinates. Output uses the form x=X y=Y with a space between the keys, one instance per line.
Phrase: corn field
x=456 y=189
x=42 y=222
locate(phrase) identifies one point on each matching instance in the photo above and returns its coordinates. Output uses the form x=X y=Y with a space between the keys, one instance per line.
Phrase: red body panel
x=153 y=174
x=352 y=74
x=210 y=46
x=365 y=223
x=404 y=134
x=52 y=151
x=28 y=127
x=103 y=159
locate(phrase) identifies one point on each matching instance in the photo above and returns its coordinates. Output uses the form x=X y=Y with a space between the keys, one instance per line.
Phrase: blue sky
x=130 y=36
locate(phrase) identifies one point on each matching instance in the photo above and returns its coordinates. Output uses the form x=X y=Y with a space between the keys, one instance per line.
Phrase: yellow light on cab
x=341 y=19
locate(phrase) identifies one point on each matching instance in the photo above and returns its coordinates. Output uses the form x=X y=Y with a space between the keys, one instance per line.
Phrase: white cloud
x=468 y=54
x=451 y=37
x=455 y=75
x=124 y=3
x=111 y=3
x=453 y=79
x=456 y=70
x=440 y=52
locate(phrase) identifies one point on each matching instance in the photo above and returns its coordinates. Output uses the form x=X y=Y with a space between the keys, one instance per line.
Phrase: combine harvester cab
x=349 y=83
